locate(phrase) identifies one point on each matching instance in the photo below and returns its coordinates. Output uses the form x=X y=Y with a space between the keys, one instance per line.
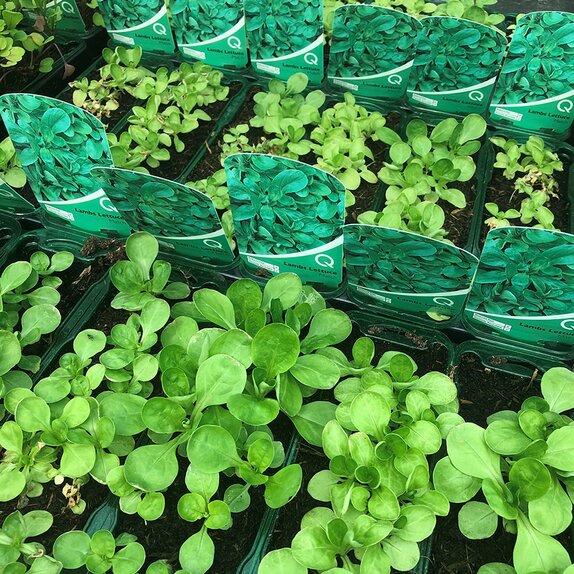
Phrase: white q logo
x=325 y=261
x=395 y=79
x=311 y=59
x=67 y=7
x=159 y=29
x=213 y=243
x=565 y=106
x=234 y=42
x=107 y=204
x=443 y=301
x=568 y=324
x=476 y=96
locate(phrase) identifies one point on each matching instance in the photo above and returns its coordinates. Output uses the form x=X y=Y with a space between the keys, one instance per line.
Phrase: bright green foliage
x=381 y=500
x=422 y=172
x=99 y=553
x=143 y=277
x=522 y=462
x=10 y=170
x=470 y=10
x=532 y=167
x=121 y=15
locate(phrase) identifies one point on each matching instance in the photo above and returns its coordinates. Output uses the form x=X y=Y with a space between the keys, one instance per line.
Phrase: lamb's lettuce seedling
x=523 y=463
x=143 y=277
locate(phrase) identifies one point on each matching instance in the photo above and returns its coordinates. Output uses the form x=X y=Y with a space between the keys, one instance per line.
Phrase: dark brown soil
x=458 y=221
x=483 y=390
x=53 y=500
x=501 y=191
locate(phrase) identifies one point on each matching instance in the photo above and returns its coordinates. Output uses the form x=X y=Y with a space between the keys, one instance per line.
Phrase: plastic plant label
x=535 y=90
x=456 y=65
x=179 y=216
x=142 y=23
x=12 y=202
x=57 y=144
x=286 y=37
x=212 y=31
x=524 y=286
x=372 y=51
x=288 y=216
x=68 y=22
x=407 y=273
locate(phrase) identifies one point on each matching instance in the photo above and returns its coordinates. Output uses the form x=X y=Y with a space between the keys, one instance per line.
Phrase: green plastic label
x=139 y=24
x=456 y=65
x=12 y=202
x=524 y=286
x=179 y=216
x=212 y=31
x=372 y=51
x=57 y=145
x=406 y=272
x=288 y=216
x=286 y=37
x=535 y=90
x=68 y=23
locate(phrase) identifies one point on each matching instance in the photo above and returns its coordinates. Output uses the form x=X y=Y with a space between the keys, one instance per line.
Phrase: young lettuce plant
x=10 y=170
x=378 y=483
x=532 y=167
x=523 y=464
x=143 y=277
x=422 y=171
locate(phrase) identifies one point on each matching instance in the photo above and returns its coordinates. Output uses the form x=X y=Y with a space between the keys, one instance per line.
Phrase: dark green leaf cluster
x=57 y=145
x=358 y=49
x=279 y=208
x=454 y=54
x=525 y=272
x=278 y=28
x=540 y=62
x=204 y=19
x=384 y=259
x=120 y=15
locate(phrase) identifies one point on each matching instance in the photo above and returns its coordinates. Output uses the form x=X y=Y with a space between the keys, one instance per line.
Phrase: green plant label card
x=180 y=217
x=407 y=273
x=524 y=287
x=286 y=37
x=212 y=31
x=69 y=21
x=456 y=65
x=535 y=90
x=372 y=51
x=12 y=202
x=57 y=144
x=288 y=216
x=139 y=23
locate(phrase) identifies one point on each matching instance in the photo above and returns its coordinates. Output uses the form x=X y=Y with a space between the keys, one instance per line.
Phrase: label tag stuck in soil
x=288 y=216
x=524 y=288
x=181 y=218
x=286 y=37
x=372 y=51
x=407 y=273
x=144 y=24
x=212 y=31
x=12 y=202
x=63 y=16
x=456 y=65
x=57 y=144
x=535 y=90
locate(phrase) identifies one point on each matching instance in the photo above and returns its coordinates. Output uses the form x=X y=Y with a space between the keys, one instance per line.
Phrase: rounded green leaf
x=477 y=521
x=316 y=371
x=212 y=449
x=283 y=486
x=275 y=348
x=281 y=562
x=215 y=307
x=286 y=287
x=72 y=548
x=197 y=553
x=218 y=379
x=531 y=477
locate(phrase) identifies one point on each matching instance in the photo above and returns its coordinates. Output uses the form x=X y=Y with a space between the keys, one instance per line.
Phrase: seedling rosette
x=524 y=288
x=57 y=145
x=407 y=273
x=288 y=216
x=286 y=38
x=139 y=23
x=456 y=65
x=180 y=216
x=372 y=50
x=536 y=84
x=212 y=31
